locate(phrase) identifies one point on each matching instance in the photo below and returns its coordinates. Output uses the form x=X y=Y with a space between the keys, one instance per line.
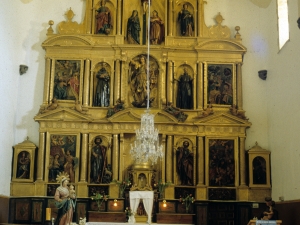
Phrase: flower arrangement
x=161 y=186
x=99 y=198
x=187 y=201
x=128 y=212
x=122 y=185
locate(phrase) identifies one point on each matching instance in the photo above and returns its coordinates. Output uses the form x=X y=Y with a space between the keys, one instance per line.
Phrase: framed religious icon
x=220 y=84
x=66 y=80
x=62 y=156
x=222 y=161
x=24 y=156
x=259 y=167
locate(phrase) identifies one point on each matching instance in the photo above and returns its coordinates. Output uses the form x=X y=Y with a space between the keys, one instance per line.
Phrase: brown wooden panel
x=170 y=218
x=106 y=216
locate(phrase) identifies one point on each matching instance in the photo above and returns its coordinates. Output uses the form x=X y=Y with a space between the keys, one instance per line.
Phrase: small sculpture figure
x=107 y=175
x=23 y=165
x=181 y=116
x=102 y=92
x=118 y=107
x=64 y=201
x=78 y=108
x=206 y=112
x=234 y=111
x=23 y=69
x=50 y=107
x=186 y=21
x=185 y=91
x=157 y=29
x=104 y=21
x=133 y=28
x=98 y=161
x=185 y=164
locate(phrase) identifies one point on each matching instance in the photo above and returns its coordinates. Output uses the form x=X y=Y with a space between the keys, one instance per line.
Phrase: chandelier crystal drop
x=146 y=145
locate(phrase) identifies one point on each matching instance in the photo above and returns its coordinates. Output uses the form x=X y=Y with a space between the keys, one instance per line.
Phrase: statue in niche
x=133 y=28
x=185 y=91
x=104 y=21
x=98 y=161
x=259 y=170
x=186 y=21
x=157 y=29
x=138 y=82
x=185 y=164
x=23 y=165
x=102 y=92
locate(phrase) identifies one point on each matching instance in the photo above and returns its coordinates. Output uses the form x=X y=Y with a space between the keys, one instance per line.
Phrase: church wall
x=283 y=107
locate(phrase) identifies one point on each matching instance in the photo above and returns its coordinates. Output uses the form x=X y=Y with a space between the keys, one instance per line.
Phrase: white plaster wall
x=283 y=111
x=271 y=105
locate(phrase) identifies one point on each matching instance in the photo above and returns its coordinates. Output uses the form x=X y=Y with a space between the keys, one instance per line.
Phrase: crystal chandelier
x=146 y=145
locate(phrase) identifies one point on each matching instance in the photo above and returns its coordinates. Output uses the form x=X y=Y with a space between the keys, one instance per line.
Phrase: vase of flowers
x=161 y=186
x=187 y=201
x=99 y=198
x=122 y=186
x=128 y=213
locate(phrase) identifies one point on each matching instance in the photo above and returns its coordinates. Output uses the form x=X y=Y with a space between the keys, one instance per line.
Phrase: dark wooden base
x=94 y=216
x=171 y=218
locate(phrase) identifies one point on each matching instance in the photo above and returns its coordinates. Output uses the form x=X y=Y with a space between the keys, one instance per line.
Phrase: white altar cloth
x=147 y=197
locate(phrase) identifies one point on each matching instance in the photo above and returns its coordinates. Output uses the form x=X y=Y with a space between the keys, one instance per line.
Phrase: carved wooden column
x=89 y=18
x=86 y=82
x=121 y=163
x=84 y=157
x=239 y=86
x=40 y=158
x=200 y=161
x=119 y=20
x=117 y=85
x=116 y=156
x=170 y=82
x=47 y=81
x=168 y=156
x=242 y=162
x=200 y=76
x=170 y=15
x=163 y=161
x=195 y=163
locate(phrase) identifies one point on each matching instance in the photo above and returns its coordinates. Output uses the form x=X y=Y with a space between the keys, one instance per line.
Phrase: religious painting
x=67 y=81
x=24 y=154
x=62 y=156
x=221 y=163
x=220 y=84
x=37 y=211
x=102 y=87
x=138 y=92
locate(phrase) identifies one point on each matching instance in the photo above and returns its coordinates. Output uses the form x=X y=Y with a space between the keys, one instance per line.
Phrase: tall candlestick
x=48 y=214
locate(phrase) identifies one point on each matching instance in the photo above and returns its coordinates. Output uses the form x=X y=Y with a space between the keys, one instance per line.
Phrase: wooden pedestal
x=171 y=218
x=94 y=216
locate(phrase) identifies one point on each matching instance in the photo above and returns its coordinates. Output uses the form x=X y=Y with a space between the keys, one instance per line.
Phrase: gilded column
x=200 y=162
x=86 y=82
x=163 y=162
x=239 y=87
x=242 y=162
x=170 y=15
x=116 y=155
x=119 y=21
x=168 y=156
x=47 y=81
x=121 y=163
x=84 y=158
x=199 y=85
x=41 y=156
x=117 y=81
x=170 y=82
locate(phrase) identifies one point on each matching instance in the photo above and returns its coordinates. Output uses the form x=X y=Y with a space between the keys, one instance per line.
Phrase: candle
x=48 y=214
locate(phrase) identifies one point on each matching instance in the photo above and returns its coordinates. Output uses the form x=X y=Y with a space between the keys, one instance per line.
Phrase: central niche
x=137 y=80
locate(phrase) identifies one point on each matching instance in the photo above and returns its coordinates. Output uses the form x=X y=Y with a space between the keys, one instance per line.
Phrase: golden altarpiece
x=94 y=88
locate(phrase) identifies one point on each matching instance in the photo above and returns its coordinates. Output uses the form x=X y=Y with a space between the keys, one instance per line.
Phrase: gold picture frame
x=23 y=166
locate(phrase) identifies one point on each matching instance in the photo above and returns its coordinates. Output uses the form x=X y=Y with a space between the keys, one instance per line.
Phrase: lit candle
x=48 y=214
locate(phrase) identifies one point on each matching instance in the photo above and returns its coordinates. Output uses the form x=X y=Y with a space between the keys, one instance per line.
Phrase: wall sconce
x=23 y=69
x=298 y=22
x=115 y=202
x=262 y=74
x=164 y=203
